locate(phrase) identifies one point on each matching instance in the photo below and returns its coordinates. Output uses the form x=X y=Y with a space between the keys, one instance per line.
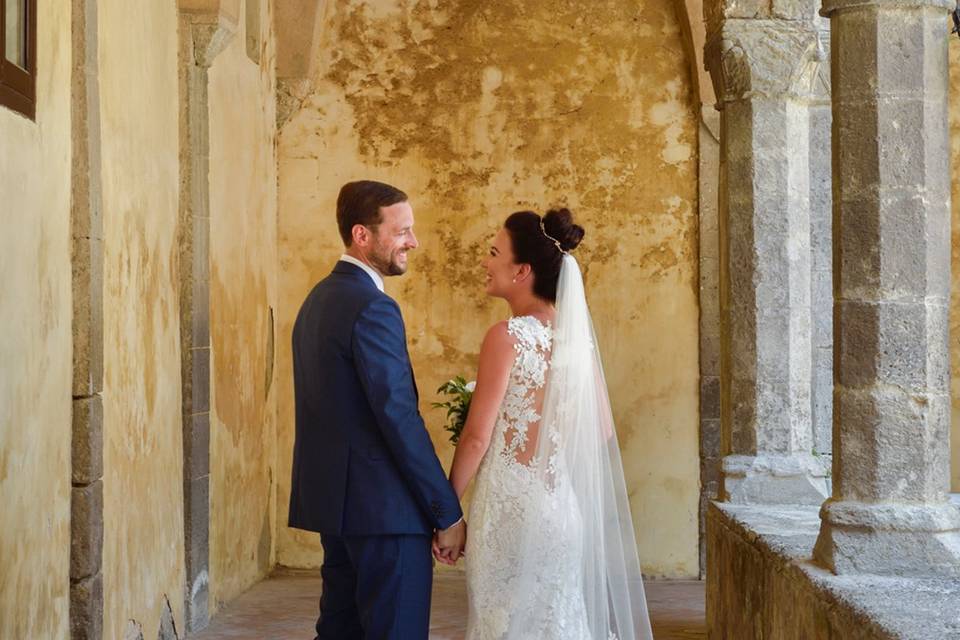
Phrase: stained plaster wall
x=243 y=263
x=480 y=109
x=143 y=555
x=35 y=346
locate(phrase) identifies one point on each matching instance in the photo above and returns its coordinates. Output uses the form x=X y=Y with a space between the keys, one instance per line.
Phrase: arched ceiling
x=296 y=21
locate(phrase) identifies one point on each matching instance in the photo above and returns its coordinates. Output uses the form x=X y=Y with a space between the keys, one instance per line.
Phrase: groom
x=365 y=474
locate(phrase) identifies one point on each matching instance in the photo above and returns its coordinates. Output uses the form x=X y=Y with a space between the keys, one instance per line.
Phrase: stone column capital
x=209 y=36
x=831 y=6
x=779 y=59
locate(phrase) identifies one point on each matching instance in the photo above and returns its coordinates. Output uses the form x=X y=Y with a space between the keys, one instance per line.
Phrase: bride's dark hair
x=531 y=245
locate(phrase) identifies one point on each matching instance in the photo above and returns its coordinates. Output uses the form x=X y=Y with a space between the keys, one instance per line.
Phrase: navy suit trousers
x=375 y=587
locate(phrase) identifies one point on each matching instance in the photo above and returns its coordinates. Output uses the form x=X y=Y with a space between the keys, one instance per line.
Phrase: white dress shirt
x=377 y=280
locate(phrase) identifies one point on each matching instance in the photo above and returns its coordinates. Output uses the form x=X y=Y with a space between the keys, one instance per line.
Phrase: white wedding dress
x=551 y=551
x=507 y=489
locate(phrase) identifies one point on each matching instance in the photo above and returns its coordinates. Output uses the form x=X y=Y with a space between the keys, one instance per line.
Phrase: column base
x=776 y=479
x=890 y=539
x=198 y=611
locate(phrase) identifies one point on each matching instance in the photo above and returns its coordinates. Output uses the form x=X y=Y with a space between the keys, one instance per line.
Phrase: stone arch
x=299 y=25
x=693 y=28
x=812 y=77
x=298 y=20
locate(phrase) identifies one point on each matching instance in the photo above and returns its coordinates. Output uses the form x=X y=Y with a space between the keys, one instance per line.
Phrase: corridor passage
x=284 y=607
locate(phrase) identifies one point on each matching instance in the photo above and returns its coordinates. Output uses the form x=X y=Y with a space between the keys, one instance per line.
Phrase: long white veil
x=577 y=456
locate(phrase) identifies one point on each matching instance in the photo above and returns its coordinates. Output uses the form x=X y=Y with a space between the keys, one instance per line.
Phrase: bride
x=551 y=550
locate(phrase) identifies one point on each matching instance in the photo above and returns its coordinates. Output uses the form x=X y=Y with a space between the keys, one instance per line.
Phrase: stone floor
x=285 y=605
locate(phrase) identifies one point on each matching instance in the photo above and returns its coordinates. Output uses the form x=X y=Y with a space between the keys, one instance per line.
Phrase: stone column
x=766 y=63
x=203 y=35
x=710 y=455
x=821 y=245
x=889 y=512
x=86 y=501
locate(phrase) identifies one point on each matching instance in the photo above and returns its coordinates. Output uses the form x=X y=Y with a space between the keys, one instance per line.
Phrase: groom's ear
x=360 y=235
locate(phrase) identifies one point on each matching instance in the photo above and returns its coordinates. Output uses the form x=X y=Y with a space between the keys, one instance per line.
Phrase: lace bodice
x=521 y=403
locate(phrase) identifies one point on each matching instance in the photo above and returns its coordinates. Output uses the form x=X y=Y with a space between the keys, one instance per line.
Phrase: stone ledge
x=762 y=583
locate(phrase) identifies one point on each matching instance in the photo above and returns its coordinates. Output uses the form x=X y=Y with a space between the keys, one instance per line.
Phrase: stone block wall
x=762 y=584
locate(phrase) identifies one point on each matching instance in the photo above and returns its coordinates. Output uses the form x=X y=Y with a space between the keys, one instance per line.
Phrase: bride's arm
x=496 y=359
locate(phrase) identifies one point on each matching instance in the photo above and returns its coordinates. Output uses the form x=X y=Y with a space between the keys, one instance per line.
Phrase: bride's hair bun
x=559 y=224
x=531 y=245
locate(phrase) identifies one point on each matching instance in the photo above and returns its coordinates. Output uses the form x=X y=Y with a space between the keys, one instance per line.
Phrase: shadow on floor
x=284 y=607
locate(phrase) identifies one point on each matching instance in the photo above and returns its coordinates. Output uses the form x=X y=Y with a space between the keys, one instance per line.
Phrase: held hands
x=449 y=544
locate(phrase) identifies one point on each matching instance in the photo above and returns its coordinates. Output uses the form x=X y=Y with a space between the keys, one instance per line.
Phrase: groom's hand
x=448 y=544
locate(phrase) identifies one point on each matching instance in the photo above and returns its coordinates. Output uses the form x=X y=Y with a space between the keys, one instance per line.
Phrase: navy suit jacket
x=363 y=463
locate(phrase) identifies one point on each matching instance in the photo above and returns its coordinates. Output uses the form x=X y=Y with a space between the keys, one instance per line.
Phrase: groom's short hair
x=360 y=202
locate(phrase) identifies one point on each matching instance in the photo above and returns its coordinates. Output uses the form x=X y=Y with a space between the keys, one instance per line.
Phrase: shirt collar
x=377 y=280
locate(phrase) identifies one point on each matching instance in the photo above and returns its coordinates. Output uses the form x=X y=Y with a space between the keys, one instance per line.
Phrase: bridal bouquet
x=458 y=406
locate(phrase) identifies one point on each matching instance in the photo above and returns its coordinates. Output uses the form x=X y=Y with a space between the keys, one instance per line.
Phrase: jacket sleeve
x=383 y=366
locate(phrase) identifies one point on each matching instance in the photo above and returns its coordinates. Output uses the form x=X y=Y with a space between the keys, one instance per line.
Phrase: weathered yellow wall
x=143 y=478
x=479 y=109
x=955 y=296
x=243 y=259
x=35 y=347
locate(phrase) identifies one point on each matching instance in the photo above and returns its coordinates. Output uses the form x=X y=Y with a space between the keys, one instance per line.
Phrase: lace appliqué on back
x=527 y=376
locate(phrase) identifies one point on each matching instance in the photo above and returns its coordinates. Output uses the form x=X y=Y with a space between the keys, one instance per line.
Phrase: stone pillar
x=821 y=246
x=766 y=63
x=710 y=455
x=86 y=500
x=203 y=35
x=889 y=512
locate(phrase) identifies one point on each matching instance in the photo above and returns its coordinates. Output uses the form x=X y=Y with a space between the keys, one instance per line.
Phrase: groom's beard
x=387 y=264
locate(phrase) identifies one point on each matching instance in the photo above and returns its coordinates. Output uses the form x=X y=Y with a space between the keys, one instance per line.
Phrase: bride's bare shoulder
x=498 y=339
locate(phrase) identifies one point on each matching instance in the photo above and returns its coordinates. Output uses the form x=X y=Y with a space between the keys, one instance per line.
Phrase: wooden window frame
x=18 y=87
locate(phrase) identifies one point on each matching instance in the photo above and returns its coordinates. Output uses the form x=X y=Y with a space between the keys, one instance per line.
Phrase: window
x=18 y=55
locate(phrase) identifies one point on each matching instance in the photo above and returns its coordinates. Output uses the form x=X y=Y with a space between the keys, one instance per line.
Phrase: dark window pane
x=15 y=37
